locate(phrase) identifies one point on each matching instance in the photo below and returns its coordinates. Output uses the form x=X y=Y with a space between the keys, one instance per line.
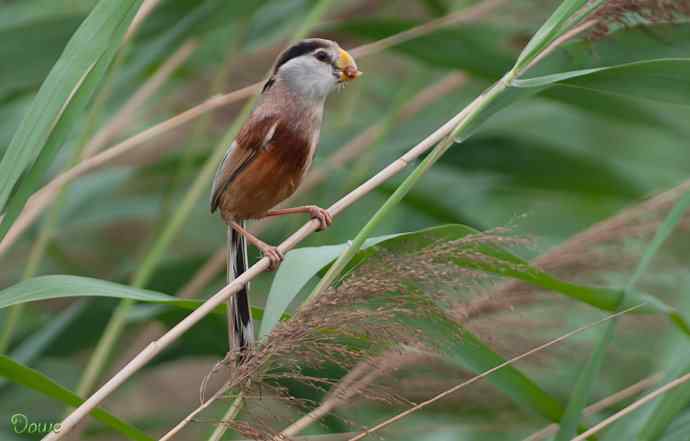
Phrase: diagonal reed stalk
x=468 y=14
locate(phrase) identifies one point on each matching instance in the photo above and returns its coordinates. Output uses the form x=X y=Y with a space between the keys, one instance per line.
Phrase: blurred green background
x=547 y=167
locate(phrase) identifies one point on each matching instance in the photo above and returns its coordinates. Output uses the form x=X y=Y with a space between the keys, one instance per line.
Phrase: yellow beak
x=347 y=66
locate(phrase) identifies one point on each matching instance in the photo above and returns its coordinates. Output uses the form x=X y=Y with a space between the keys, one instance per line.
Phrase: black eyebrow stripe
x=297 y=50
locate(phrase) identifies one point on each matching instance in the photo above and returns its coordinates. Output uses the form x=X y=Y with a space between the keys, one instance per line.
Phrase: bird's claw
x=274 y=256
x=323 y=216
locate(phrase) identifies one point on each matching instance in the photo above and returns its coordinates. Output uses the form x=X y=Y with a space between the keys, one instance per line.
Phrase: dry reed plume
x=614 y=14
x=379 y=308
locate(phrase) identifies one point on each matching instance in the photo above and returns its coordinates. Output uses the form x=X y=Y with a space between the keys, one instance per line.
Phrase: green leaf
x=30 y=180
x=667 y=407
x=297 y=269
x=33 y=48
x=528 y=162
x=436 y=7
x=663 y=80
x=625 y=46
x=164 y=31
x=482 y=257
x=662 y=234
x=37 y=343
x=583 y=386
x=35 y=380
x=166 y=309
x=563 y=19
x=59 y=286
x=628 y=109
x=645 y=61
x=679 y=429
x=63 y=96
x=424 y=201
x=63 y=286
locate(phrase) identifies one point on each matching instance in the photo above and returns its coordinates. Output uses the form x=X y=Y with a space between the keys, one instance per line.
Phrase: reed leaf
x=66 y=286
x=61 y=100
x=35 y=380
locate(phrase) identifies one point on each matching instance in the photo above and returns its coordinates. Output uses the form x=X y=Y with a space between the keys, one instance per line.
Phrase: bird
x=270 y=156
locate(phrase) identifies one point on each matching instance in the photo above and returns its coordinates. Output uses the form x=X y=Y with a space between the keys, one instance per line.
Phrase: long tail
x=241 y=326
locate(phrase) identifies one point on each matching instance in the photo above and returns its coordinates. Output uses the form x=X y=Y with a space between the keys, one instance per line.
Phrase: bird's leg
x=323 y=216
x=273 y=254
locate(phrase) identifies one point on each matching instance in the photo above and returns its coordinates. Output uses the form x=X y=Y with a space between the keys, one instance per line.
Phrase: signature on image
x=21 y=424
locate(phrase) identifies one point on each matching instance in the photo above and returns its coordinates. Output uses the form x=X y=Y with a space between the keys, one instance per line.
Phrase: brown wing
x=251 y=141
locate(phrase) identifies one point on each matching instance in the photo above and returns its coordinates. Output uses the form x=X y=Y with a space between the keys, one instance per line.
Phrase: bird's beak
x=347 y=66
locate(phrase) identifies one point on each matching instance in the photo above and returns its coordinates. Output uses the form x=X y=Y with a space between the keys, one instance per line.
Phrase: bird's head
x=313 y=68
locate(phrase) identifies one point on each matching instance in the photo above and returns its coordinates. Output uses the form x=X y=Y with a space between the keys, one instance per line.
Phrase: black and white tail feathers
x=241 y=326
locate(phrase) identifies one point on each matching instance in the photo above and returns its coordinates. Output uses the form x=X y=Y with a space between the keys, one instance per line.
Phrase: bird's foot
x=274 y=256
x=322 y=215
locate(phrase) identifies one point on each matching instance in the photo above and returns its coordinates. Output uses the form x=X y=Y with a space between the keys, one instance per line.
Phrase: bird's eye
x=322 y=56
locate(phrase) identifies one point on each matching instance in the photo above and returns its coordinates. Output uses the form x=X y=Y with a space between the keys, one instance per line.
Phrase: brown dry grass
x=616 y=13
